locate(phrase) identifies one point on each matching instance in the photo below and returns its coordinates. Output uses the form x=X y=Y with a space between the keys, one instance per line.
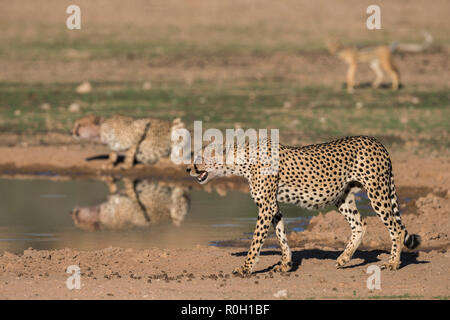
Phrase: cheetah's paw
x=283 y=267
x=242 y=271
x=390 y=265
x=342 y=261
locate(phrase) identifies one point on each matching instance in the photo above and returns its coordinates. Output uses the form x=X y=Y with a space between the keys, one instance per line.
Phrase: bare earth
x=204 y=272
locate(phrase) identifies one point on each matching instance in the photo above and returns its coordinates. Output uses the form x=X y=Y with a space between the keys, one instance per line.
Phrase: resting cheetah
x=144 y=140
x=142 y=204
x=313 y=177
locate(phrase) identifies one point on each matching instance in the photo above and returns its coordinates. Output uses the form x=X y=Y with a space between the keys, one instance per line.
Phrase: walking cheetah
x=312 y=177
x=144 y=140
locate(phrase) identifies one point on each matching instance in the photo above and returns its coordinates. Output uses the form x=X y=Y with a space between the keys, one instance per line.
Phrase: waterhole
x=94 y=214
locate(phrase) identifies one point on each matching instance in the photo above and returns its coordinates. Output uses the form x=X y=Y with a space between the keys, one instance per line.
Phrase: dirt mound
x=431 y=221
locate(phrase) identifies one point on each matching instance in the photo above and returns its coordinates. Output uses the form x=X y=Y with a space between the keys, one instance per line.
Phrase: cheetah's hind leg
x=113 y=158
x=381 y=204
x=285 y=264
x=347 y=206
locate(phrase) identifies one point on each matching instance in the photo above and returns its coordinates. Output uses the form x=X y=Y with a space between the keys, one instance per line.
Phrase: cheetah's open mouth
x=202 y=176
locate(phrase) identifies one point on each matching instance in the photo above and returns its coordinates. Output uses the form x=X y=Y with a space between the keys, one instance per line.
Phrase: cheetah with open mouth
x=312 y=177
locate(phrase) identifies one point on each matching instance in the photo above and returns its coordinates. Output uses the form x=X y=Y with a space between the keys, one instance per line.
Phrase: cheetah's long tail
x=411 y=241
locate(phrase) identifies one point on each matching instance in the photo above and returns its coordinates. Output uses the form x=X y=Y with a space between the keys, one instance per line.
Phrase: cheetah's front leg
x=259 y=235
x=264 y=192
x=129 y=157
x=112 y=160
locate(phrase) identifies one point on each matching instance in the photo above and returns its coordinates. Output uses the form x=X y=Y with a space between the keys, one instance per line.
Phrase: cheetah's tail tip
x=412 y=241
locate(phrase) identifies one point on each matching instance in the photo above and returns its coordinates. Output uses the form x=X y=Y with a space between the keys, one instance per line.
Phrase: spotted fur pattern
x=141 y=204
x=143 y=140
x=313 y=177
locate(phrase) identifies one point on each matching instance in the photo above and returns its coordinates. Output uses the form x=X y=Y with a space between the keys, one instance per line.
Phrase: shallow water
x=83 y=214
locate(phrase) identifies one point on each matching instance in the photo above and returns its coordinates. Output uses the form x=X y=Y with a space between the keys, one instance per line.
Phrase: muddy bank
x=71 y=160
x=409 y=169
x=69 y=163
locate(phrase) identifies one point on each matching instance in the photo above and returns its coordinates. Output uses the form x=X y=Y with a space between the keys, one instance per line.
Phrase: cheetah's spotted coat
x=144 y=140
x=313 y=177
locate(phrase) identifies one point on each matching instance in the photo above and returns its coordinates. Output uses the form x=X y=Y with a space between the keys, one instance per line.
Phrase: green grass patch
x=313 y=112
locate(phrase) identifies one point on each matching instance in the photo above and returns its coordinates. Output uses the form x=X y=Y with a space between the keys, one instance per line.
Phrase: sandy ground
x=204 y=272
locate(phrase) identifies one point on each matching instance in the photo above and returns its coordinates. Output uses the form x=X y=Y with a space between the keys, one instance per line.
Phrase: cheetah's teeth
x=202 y=177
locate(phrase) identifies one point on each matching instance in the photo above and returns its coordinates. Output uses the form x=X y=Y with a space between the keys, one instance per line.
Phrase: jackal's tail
x=396 y=46
x=411 y=241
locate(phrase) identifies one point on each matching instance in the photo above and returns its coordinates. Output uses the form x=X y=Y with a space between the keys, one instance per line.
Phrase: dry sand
x=204 y=273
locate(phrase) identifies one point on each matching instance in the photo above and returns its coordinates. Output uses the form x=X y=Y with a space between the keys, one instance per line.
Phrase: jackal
x=379 y=58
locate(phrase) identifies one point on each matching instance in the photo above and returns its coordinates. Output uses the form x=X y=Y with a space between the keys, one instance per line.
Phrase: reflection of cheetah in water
x=144 y=203
x=144 y=140
x=313 y=177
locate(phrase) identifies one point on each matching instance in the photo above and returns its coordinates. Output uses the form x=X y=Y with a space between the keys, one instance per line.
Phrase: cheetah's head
x=87 y=128
x=209 y=163
x=201 y=172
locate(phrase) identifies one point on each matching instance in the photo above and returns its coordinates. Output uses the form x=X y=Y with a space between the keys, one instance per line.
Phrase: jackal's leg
x=375 y=66
x=351 y=72
x=393 y=72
